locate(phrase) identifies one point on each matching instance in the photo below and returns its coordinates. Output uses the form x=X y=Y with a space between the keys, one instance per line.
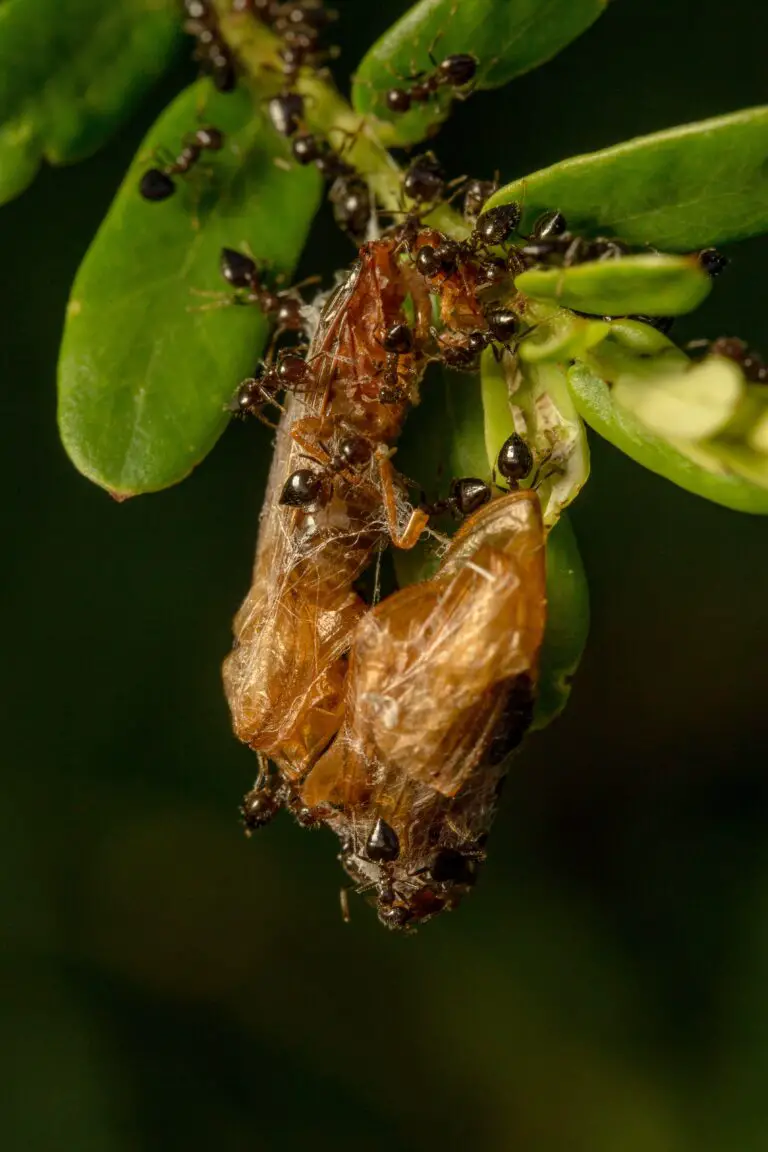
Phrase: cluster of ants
x=343 y=375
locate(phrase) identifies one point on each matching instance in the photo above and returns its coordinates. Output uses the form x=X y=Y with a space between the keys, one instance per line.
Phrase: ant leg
x=219 y=298
x=418 y=519
x=306 y=439
x=344 y=901
x=537 y=477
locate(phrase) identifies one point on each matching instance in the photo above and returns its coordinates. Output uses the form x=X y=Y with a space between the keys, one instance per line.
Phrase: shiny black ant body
x=290 y=373
x=456 y=72
x=466 y=495
x=424 y=179
x=352 y=205
x=158 y=184
x=211 y=51
x=397 y=341
x=495 y=227
x=308 y=487
x=551 y=243
x=713 y=262
x=515 y=460
x=476 y=194
x=243 y=274
x=462 y=351
x=285 y=112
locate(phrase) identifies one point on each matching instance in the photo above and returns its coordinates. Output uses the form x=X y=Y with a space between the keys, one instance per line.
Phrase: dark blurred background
x=168 y=984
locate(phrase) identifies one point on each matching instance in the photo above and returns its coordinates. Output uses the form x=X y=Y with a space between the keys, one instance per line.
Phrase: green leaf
x=689 y=187
x=708 y=468
x=567 y=623
x=533 y=400
x=144 y=375
x=70 y=73
x=653 y=285
x=694 y=404
x=507 y=37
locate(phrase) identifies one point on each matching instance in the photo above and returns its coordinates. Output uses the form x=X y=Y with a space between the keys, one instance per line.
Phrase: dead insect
x=440 y=686
x=285 y=675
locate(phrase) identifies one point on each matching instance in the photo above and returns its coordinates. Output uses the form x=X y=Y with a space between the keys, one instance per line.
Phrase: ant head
x=398 y=338
x=424 y=181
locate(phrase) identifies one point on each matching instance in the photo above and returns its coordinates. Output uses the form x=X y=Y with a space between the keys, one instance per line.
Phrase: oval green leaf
x=692 y=186
x=507 y=37
x=654 y=285
x=145 y=374
x=701 y=468
x=71 y=73
x=567 y=623
x=694 y=404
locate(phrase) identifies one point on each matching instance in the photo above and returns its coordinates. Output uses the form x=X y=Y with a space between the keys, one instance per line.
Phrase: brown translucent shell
x=431 y=672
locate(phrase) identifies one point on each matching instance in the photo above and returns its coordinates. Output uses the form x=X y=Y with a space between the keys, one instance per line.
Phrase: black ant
x=515 y=461
x=495 y=227
x=350 y=199
x=397 y=341
x=290 y=373
x=243 y=274
x=466 y=495
x=713 y=262
x=260 y=805
x=306 y=486
x=285 y=112
x=551 y=243
x=456 y=72
x=460 y=354
x=157 y=183
x=424 y=179
x=212 y=51
x=476 y=194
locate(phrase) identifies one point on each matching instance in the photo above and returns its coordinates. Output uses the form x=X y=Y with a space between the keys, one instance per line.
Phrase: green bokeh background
x=167 y=984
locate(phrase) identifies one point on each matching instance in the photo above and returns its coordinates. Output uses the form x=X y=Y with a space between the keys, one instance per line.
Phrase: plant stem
x=327 y=113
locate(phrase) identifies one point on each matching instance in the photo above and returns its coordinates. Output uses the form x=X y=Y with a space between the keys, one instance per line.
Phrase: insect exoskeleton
x=440 y=689
x=284 y=678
